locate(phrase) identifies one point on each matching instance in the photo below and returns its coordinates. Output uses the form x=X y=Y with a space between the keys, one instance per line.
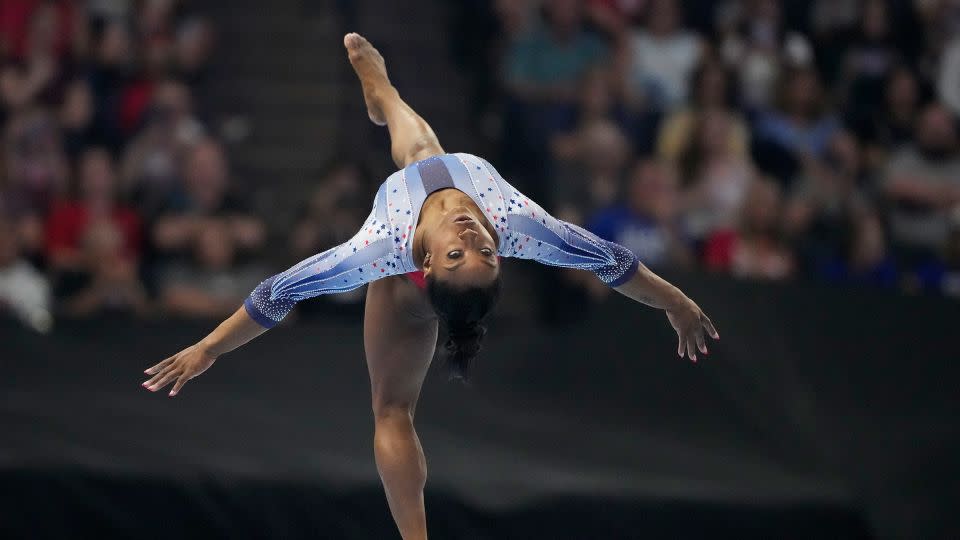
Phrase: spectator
x=17 y=89
x=70 y=221
x=717 y=173
x=590 y=165
x=756 y=248
x=543 y=69
x=31 y=26
x=756 y=42
x=36 y=166
x=211 y=284
x=172 y=97
x=546 y=64
x=600 y=100
x=923 y=184
x=205 y=194
x=798 y=130
x=152 y=159
x=712 y=89
x=892 y=125
x=24 y=293
x=817 y=215
x=648 y=222
x=662 y=57
x=589 y=160
x=108 y=281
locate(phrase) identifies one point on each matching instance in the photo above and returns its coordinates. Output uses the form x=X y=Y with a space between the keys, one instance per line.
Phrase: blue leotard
x=384 y=246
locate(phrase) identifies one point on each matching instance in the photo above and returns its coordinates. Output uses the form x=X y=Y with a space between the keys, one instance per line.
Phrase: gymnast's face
x=460 y=250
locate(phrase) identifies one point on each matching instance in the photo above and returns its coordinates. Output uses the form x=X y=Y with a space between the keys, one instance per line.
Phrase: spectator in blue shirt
x=798 y=130
x=647 y=222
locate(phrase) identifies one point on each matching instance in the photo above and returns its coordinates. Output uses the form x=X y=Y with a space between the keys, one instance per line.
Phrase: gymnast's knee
x=422 y=147
x=392 y=413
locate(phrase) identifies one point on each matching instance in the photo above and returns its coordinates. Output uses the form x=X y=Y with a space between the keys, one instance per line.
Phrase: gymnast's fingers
x=156 y=378
x=181 y=380
x=156 y=369
x=701 y=340
x=691 y=349
x=708 y=326
x=168 y=378
x=679 y=344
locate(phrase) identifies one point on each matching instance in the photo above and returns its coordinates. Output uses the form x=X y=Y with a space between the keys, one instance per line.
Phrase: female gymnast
x=430 y=251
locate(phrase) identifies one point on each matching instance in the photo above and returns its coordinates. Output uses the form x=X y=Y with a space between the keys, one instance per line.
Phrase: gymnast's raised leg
x=412 y=139
x=399 y=327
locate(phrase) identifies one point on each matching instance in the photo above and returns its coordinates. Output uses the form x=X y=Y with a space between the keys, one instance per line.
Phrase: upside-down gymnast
x=430 y=251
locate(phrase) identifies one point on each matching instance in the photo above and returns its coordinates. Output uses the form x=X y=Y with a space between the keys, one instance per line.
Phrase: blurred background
x=793 y=165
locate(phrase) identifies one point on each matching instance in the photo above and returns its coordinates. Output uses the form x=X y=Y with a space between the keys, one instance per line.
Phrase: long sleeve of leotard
x=528 y=232
x=370 y=255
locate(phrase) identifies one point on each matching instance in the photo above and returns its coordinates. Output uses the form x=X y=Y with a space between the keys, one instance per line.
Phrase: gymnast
x=430 y=251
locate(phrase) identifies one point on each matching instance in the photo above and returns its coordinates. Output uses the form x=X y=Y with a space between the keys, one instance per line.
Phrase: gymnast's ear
x=426 y=265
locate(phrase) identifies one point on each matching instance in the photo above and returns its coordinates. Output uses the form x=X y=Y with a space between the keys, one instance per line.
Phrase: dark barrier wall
x=820 y=413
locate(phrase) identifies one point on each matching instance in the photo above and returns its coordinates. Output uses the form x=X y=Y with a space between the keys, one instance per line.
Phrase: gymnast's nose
x=466 y=233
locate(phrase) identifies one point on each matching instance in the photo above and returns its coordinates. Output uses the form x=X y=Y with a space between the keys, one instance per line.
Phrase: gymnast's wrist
x=207 y=347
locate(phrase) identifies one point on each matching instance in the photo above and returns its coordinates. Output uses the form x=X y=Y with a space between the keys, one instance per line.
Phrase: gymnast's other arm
x=333 y=271
x=237 y=330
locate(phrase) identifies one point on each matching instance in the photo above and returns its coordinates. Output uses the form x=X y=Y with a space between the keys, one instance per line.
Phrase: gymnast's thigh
x=399 y=336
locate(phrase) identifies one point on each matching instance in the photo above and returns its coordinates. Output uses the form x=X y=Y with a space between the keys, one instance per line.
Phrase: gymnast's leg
x=399 y=345
x=412 y=139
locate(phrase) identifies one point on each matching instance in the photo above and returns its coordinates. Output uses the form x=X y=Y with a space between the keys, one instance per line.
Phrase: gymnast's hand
x=691 y=324
x=180 y=367
x=238 y=329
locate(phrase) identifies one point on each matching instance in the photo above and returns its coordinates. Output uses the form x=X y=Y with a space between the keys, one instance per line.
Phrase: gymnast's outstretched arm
x=195 y=359
x=338 y=269
x=686 y=317
x=532 y=233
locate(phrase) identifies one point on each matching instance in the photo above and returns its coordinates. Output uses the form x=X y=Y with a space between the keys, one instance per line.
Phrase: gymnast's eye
x=486 y=252
x=455 y=254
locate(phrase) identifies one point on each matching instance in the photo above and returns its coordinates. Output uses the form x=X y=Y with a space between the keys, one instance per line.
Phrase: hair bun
x=460 y=312
x=462 y=345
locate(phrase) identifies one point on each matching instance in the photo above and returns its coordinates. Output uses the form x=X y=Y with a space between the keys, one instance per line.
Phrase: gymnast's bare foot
x=372 y=71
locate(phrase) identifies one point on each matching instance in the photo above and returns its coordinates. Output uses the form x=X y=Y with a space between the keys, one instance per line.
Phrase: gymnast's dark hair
x=461 y=312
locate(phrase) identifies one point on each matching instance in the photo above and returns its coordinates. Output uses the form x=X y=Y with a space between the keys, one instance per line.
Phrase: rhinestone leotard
x=384 y=245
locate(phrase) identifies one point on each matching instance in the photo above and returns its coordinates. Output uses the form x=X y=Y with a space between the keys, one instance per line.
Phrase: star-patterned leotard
x=384 y=246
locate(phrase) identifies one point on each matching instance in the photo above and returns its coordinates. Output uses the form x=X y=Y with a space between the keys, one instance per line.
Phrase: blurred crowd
x=114 y=194
x=768 y=139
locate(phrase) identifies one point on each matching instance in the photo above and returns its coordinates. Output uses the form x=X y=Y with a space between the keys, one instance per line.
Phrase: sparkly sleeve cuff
x=626 y=266
x=266 y=312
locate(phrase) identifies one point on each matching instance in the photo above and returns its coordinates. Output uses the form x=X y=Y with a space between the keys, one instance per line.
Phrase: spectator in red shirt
x=96 y=202
x=19 y=20
x=756 y=248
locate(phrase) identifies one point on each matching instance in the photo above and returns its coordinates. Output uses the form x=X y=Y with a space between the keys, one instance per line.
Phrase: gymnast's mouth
x=462 y=219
